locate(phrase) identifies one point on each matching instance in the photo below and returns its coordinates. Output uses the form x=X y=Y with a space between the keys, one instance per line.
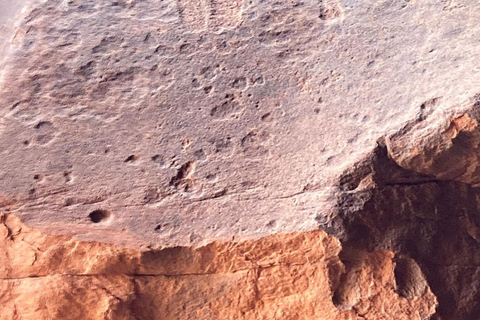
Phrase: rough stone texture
x=175 y=134
x=425 y=217
x=10 y=17
x=192 y=121
x=278 y=277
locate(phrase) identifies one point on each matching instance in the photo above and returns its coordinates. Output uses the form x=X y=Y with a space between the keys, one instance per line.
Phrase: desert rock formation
x=240 y=159
x=278 y=277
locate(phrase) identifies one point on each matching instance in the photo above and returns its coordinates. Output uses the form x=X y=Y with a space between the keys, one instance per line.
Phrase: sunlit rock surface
x=138 y=128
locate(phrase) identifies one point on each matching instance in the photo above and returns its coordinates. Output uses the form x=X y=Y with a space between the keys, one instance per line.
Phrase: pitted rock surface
x=189 y=121
x=191 y=150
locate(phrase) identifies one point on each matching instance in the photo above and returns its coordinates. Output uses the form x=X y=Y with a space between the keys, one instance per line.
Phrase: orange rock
x=290 y=276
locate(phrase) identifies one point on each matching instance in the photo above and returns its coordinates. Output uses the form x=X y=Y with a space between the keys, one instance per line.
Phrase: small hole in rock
x=132 y=158
x=99 y=215
x=68 y=176
x=272 y=224
x=266 y=116
x=43 y=124
x=207 y=89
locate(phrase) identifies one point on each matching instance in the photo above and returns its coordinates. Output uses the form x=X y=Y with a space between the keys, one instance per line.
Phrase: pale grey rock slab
x=191 y=121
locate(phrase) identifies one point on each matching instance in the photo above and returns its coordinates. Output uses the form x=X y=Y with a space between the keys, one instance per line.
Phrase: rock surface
x=277 y=277
x=191 y=121
x=10 y=17
x=176 y=158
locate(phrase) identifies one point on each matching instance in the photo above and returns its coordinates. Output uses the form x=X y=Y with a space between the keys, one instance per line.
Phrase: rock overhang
x=187 y=122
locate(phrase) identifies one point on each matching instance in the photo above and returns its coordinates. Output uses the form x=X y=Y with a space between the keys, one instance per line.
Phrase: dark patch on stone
x=99 y=215
x=382 y=206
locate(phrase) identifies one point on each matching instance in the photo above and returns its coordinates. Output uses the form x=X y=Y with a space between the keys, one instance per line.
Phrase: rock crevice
x=417 y=196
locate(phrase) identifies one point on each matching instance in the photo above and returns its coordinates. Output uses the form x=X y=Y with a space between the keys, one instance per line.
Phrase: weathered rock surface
x=10 y=17
x=176 y=159
x=191 y=121
x=278 y=277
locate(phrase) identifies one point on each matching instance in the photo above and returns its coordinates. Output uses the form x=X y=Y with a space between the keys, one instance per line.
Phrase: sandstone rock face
x=190 y=121
x=10 y=17
x=277 y=277
x=176 y=159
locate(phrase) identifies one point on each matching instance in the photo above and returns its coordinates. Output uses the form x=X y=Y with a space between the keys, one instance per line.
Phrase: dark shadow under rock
x=385 y=207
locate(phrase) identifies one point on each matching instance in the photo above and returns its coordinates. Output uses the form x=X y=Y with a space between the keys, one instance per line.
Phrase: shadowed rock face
x=426 y=211
x=421 y=217
x=180 y=136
